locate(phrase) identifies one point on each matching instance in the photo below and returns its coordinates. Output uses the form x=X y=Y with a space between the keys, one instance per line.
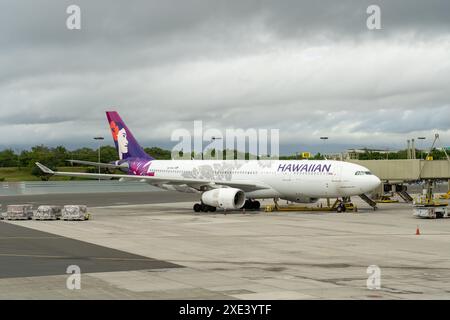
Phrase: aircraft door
x=332 y=185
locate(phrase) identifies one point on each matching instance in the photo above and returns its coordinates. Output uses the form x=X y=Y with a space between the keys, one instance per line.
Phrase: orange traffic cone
x=417 y=231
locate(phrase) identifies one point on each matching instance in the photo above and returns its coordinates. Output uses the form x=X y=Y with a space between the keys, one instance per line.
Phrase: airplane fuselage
x=295 y=180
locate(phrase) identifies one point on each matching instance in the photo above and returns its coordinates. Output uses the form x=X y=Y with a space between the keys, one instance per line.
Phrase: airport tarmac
x=253 y=255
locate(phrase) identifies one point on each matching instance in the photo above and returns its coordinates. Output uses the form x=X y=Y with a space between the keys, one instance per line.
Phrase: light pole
x=215 y=151
x=324 y=139
x=99 y=139
x=421 y=151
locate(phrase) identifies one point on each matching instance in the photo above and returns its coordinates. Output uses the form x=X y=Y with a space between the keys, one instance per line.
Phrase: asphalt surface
x=26 y=252
x=100 y=199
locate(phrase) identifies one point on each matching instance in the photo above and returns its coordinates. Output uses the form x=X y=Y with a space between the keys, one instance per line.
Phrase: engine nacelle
x=301 y=199
x=225 y=198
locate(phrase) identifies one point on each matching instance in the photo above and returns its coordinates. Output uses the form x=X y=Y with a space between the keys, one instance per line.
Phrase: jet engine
x=225 y=198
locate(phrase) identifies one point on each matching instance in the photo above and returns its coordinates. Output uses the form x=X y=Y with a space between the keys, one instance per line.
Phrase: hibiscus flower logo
x=114 y=130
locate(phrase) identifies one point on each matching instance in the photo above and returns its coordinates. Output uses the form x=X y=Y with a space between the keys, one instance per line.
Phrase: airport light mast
x=215 y=151
x=99 y=139
x=213 y=139
x=324 y=139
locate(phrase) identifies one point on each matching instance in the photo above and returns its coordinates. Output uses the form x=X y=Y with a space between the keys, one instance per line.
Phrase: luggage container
x=75 y=212
x=19 y=212
x=47 y=213
x=432 y=212
x=427 y=206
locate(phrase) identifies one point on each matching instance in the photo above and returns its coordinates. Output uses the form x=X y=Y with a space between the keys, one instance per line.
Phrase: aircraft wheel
x=197 y=207
x=247 y=204
x=212 y=209
x=204 y=208
x=256 y=205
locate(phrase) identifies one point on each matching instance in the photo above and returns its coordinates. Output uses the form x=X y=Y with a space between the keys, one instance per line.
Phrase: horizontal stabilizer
x=44 y=168
x=99 y=164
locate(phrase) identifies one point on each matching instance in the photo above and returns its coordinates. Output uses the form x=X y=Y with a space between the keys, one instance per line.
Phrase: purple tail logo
x=126 y=144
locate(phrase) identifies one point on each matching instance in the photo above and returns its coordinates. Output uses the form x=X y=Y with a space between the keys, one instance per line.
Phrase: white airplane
x=232 y=184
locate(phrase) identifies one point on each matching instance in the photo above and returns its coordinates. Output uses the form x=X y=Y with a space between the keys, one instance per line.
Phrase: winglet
x=44 y=168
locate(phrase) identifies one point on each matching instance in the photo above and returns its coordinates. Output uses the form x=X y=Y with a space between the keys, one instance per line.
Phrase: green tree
x=60 y=155
x=158 y=153
x=438 y=154
x=108 y=154
x=8 y=158
x=318 y=156
x=25 y=158
x=85 y=154
x=39 y=153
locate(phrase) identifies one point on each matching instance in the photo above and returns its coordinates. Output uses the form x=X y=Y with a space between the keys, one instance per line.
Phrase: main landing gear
x=345 y=205
x=248 y=205
x=203 y=208
x=252 y=205
x=341 y=207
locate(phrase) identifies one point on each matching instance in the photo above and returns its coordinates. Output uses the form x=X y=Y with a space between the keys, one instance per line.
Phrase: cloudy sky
x=308 y=68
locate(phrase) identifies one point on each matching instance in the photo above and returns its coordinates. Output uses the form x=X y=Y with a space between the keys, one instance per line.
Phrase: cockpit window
x=361 y=173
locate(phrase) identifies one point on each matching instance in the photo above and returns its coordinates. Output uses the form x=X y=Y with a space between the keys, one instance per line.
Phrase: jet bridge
x=398 y=171
x=394 y=173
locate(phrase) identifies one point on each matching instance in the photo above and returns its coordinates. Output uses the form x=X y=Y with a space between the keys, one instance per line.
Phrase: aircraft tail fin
x=126 y=144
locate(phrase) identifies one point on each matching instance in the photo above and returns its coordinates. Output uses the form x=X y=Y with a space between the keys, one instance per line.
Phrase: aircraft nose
x=374 y=182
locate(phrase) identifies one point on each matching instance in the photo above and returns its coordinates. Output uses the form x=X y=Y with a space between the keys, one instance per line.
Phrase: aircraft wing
x=99 y=164
x=199 y=184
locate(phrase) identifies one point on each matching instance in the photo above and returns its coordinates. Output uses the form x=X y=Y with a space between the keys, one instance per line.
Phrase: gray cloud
x=304 y=67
